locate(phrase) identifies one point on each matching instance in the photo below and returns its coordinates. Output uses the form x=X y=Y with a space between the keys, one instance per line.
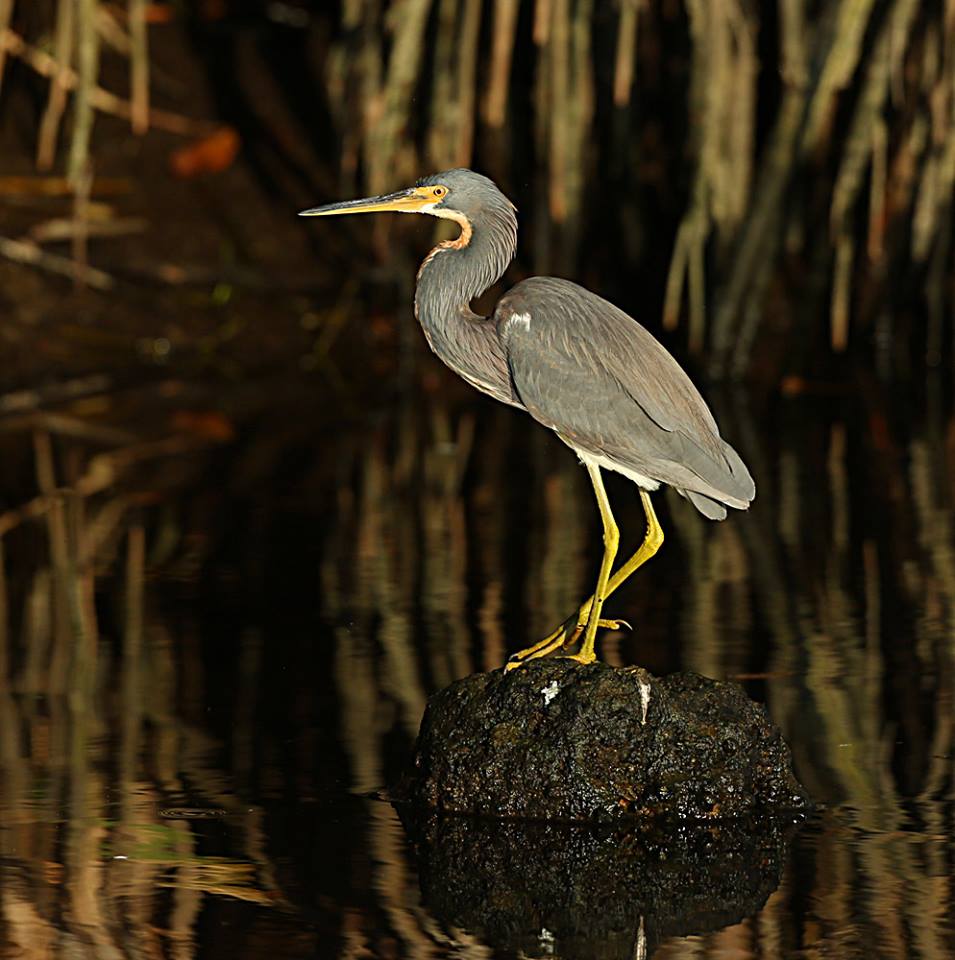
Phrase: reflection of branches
x=440 y=528
x=64 y=710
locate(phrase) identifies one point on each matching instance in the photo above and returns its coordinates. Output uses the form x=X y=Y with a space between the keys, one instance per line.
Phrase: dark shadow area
x=584 y=893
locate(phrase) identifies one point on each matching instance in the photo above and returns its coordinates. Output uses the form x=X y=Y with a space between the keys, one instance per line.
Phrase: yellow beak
x=412 y=200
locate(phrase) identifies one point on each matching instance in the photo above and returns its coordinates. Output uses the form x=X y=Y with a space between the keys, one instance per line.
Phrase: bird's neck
x=457 y=271
x=451 y=276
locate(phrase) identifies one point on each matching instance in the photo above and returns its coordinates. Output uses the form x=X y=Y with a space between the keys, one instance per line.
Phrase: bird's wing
x=589 y=371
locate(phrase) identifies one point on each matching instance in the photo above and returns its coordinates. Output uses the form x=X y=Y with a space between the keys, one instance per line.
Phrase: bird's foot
x=532 y=653
x=582 y=657
x=563 y=636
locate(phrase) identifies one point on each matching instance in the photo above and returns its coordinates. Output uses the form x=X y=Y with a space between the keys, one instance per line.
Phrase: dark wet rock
x=593 y=891
x=555 y=740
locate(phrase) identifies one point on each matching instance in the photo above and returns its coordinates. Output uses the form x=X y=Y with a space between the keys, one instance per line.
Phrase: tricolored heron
x=576 y=364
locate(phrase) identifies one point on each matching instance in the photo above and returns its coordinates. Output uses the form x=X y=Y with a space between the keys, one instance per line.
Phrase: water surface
x=213 y=666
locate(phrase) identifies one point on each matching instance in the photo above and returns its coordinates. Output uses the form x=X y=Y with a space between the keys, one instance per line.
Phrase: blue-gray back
x=598 y=378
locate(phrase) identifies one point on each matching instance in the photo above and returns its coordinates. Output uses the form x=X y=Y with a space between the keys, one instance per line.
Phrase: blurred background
x=248 y=523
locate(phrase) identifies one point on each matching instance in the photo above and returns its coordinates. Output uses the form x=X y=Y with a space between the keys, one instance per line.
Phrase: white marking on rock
x=522 y=319
x=546 y=940
x=550 y=691
x=644 y=700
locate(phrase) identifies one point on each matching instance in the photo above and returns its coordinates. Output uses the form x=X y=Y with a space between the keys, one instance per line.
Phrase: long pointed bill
x=413 y=200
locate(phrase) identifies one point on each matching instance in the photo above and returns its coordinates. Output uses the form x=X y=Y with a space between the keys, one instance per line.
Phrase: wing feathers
x=588 y=370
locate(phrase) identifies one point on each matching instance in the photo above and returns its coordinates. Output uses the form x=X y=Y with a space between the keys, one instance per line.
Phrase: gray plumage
x=573 y=361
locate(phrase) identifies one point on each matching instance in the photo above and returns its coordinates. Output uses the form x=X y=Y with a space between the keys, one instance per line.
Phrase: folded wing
x=593 y=374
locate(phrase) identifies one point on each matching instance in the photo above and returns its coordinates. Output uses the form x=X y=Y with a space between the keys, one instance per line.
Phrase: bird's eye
x=440 y=191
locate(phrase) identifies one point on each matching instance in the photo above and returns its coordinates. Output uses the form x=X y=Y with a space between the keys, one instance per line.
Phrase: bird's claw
x=522 y=656
x=581 y=657
x=516 y=660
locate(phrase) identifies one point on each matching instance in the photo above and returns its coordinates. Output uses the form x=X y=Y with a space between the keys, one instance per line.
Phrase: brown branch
x=467 y=69
x=6 y=11
x=625 y=66
x=103 y=100
x=841 y=293
x=60 y=186
x=22 y=401
x=59 y=228
x=385 y=137
x=64 y=425
x=84 y=112
x=139 y=66
x=22 y=251
x=56 y=102
x=502 y=52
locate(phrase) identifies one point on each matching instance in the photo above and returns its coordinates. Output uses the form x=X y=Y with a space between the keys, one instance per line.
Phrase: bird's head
x=461 y=195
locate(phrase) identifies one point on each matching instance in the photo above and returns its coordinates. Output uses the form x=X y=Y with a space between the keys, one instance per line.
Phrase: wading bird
x=576 y=364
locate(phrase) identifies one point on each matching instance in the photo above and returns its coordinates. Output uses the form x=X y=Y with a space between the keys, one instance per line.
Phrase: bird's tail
x=735 y=488
x=706 y=505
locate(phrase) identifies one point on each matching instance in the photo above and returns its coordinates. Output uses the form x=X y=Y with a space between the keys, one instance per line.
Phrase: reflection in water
x=587 y=892
x=250 y=632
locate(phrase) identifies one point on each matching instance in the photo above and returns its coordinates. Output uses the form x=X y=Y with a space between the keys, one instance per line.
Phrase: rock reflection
x=543 y=889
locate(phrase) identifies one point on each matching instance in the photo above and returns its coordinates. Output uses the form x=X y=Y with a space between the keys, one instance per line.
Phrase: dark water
x=265 y=633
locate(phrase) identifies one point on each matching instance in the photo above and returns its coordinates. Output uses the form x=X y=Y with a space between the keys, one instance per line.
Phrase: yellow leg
x=569 y=631
x=611 y=542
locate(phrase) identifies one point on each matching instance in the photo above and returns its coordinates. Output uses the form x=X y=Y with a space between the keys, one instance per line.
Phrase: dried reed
x=861 y=122
x=738 y=220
